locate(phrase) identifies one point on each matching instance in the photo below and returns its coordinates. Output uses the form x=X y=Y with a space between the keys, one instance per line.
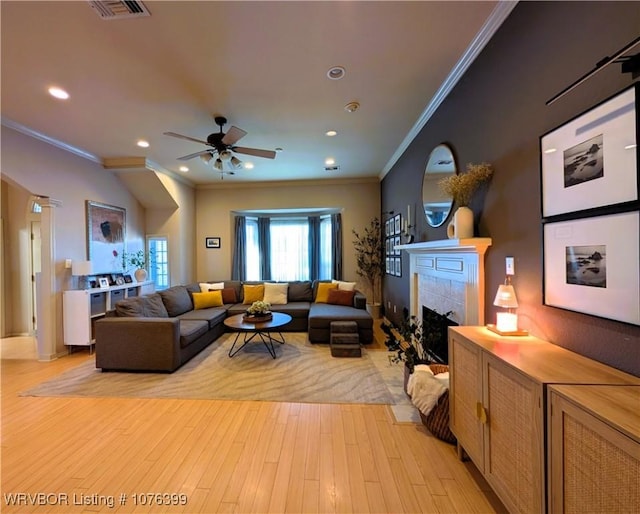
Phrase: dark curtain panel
x=336 y=242
x=314 y=247
x=264 y=248
x=239 y=269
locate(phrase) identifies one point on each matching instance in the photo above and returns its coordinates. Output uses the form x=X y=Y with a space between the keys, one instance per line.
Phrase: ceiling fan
x=223 y=146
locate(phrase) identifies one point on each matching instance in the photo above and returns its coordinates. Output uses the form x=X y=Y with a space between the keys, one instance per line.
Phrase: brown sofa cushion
x=341 y=297
x=176 y=300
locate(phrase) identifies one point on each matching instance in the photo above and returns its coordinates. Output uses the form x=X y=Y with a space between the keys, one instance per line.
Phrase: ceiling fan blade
x=234 y=135
x=268 y=154
x=180 y=136
x=192 y=155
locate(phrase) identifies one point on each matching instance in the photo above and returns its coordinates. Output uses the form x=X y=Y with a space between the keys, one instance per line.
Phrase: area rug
x=302 y=372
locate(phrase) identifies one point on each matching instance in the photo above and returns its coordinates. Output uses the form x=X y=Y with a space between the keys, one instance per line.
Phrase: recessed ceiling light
x=247 y=165
x=59 y=93
x=329 y=161
x=336 y=72
x=278 y=149
x=330 y=133
x=143 y=144
x=183 y=169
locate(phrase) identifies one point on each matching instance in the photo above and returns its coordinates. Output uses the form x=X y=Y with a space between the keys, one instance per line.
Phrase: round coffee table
x=263 y=330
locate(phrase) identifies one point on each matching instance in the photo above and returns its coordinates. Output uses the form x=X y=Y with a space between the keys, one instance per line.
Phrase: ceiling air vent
x=118 y=9
x=332 y=168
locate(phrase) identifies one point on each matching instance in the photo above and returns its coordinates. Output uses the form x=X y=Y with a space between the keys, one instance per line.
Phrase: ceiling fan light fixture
x=218 y=164
x=235 y=163
x=206 y=157
x=225 y=155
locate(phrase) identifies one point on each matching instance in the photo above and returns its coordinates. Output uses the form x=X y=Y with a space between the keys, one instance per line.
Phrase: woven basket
x=437 y=422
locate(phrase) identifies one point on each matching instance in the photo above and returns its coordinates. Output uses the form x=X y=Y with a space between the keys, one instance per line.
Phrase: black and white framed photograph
x=392 y=227
x=396 y=224
x=396 y=243
x=212 y=242
x=397 y=266
x=103 y=282
x=387 y=265
x=386 y=227
x=592 y=160
x=591 y=265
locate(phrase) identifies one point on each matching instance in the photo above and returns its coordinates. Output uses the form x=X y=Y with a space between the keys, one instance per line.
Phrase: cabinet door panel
x=514 y=443
x=466 y=390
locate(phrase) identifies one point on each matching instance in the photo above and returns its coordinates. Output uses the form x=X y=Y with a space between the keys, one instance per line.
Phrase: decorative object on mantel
x=461 y=188
x=370 y=261
x=258 y=312
x=407 y=233
x=82 y=269
x=507 y=322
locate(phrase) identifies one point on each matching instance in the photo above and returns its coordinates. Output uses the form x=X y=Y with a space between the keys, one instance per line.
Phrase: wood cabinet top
x=618 y=406
x=543 y=361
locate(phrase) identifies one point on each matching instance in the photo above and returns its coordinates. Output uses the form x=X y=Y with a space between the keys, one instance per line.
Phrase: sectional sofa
x=163 y=330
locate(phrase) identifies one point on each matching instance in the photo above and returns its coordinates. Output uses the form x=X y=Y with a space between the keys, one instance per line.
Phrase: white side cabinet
x=81 y=308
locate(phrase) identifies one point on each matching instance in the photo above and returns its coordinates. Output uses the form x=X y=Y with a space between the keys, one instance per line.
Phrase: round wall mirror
x=436 y=203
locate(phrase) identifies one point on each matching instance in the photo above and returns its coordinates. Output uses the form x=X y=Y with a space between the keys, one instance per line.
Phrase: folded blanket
x=425 y=388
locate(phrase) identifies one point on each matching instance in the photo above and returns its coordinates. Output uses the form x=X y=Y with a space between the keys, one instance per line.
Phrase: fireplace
x=448 y=277
x=435 y=327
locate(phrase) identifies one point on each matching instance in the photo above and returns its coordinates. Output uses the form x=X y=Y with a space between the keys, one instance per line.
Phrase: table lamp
x=82 y=269
x=507 y=322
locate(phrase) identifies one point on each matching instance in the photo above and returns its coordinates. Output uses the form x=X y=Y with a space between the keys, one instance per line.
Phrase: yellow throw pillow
x=322 y=295
x=208 y=299
x=252 y=293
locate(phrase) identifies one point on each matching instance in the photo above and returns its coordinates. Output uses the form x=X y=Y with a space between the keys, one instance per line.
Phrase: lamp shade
x=506 y=297
x=81 y=268
x=206 y=157
x=235 y=163
x=218 y=164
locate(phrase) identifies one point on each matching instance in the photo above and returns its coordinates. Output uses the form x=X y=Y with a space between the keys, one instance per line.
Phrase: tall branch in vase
x=369 y=249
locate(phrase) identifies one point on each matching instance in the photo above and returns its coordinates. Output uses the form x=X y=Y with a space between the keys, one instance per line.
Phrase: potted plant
x=136 y=260
x=370 y=262
x=461 y=188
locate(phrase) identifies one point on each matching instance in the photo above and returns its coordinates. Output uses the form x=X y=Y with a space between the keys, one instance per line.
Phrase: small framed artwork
x=392 y=226
x=120 y=281
x=396 y=242
x=386 y=228
x=103 y=282
x=396 y=224
x=387 y=265
x=592 y=160
x=212 y=242
x=127 y=279
x=591 y=266
x=397 y=266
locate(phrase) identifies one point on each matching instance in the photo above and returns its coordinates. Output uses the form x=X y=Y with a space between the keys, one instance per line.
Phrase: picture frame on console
x=591 y=161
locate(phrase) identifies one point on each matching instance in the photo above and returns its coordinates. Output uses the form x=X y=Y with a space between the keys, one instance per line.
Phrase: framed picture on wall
x=106 y=232
x=396 y=224
x=212 y=242
x=103 y=282
x=592 y=160
x=397 y=261
x=591 y=266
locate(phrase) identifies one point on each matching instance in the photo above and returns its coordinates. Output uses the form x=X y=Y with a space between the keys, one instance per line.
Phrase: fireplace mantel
x=448 y=275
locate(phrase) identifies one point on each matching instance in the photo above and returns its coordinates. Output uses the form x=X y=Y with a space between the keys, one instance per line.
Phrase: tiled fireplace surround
x=448 y=276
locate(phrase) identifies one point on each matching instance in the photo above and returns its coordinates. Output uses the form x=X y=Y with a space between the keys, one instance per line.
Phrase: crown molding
x=490 y=27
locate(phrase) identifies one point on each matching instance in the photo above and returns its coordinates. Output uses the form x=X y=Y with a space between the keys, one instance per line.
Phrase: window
x=289 y=249
x=157 y=250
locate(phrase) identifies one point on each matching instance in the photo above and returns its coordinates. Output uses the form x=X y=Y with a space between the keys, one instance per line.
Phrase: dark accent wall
x=496 y=113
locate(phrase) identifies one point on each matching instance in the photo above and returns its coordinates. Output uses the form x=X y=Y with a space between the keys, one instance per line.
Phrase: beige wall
x=30 y=166
x=359 y=203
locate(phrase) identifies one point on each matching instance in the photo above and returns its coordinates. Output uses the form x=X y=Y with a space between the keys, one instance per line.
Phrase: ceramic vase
x=141 y=274
x=461 y=226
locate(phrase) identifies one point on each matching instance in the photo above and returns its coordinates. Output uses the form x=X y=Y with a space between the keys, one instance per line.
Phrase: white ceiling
x=262 y=65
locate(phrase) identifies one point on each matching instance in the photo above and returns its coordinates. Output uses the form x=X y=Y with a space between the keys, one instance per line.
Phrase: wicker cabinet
x=497 y=394
x=594 y=449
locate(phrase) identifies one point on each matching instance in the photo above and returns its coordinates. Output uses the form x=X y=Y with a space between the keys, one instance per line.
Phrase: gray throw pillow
x=177 y=300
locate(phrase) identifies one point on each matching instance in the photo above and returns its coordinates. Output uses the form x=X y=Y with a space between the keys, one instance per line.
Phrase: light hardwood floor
x=222 y=456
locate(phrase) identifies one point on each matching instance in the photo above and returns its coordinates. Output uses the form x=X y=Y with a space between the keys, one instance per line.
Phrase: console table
x=82 y=307
x=497 y=407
